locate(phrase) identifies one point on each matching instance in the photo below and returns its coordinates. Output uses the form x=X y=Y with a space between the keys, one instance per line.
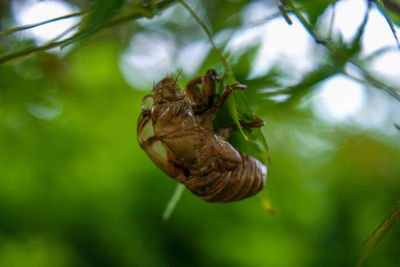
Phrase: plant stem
x=332 y=49
x=388 y=19
x=25 y=27
x=228 y=69
x=32 y=49
x=173 y=201
x=132 y=16
x=380 y=232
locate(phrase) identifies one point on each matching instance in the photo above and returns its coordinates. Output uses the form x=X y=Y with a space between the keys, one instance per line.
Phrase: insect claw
x=239 y=86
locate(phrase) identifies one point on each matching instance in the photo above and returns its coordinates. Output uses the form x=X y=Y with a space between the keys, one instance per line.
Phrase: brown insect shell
x=167 y=90
x=175 y=123
x=190 y=137
x=185 y=146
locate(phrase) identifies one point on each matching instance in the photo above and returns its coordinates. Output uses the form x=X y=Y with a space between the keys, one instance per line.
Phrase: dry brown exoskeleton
x=177 y=133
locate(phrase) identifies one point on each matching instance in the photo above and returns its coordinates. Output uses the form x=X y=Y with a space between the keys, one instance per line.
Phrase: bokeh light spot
x=339 y=98
x=38 y=11
x=148 y=58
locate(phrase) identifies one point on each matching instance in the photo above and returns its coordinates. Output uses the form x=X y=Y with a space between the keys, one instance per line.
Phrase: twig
x=384 y=226
x=228 y=69
x=25 y=27
x=304 y=21
x=393 y=6
x=229 y=76
x=173 y=201
x=378 y=84
x=262 y=20
x=32 y=49
x=388 y=19
x=122 y=19
x=61 y=35
x=53 y=43
x=138 y=12
x=284 y=13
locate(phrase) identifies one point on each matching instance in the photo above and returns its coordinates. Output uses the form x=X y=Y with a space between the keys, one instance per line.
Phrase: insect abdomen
x=247 y=179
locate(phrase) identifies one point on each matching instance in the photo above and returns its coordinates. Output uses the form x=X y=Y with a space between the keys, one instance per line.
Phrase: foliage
x=76 y=189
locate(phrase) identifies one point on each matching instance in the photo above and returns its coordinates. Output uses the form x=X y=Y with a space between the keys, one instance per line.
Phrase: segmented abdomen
x=245 y=180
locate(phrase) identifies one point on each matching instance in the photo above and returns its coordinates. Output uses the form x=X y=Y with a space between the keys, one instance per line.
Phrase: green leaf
x=355 y=46
x=236 y=105
x=243 y=63
x=257 y=148
x=237 y=110
x=381 y=231
x=101 y=13
x=234 y=113
x=259 y=136
x=307 y=85
x=314 y=8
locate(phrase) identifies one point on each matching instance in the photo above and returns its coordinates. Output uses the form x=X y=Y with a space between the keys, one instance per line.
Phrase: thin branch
x=209 y=35
x=378 y=84
x=119 y=20
x=173 y=201
x=137 y=13
x=229 y=77
x=304 y=21
x=393 y=6
x=26 y=27
x=32 y=49
x=388 y=19
x=380 y=231
x=262 y=20
x=61 y=35
x=284 y=13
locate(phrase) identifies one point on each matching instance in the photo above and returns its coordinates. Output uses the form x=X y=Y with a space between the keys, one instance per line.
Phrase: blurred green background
x=77 y=190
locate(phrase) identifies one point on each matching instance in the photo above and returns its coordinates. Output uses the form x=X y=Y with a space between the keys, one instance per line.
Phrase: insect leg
x=228 y=90
x=204 y=98
x=193 y=92
x=208 y=85
x=226 y=131
x=258 y=123
x=155 y=149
